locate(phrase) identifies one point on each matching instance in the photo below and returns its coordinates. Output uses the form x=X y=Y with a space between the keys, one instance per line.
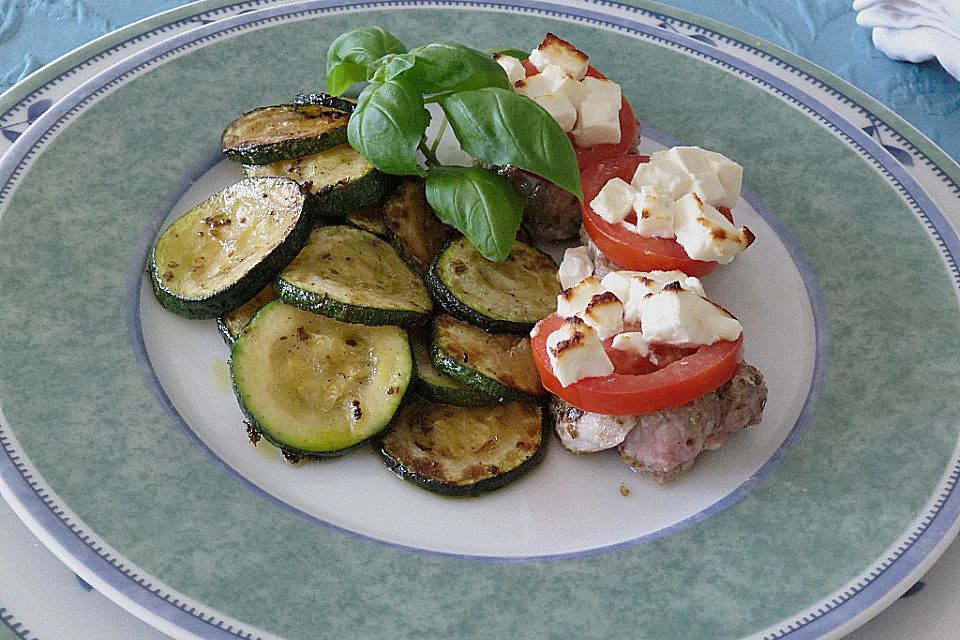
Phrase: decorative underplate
x=125 y=452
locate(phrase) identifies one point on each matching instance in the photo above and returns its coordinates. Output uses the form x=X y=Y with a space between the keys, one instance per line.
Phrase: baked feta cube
x=533 y=86
x=555 y=77
x=576 y=352
x=670 y=180
x=651 y=282
x=573 y=300
x=693 y=160
x=631 y=342
x=598 y=120
x=560 y=109
x=575 y=267
x=705 y=234
x=604 y=313
x=680 y=317
x=618 y=283
x=615 y=201
x=654 y=213
x=557 y=51
x=514 y=68
x=730 y=175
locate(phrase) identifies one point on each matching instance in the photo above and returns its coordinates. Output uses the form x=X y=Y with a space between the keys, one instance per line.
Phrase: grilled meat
x=666 y=443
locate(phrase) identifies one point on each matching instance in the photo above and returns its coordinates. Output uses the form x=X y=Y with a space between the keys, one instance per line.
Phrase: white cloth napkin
x=914 y=30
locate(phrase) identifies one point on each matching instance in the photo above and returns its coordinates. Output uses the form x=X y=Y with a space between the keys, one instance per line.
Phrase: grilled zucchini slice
x=503 y=297
x=354 y=276
x=370 y=219
x=232 y=322
x=413 y=228
x=222 y=252
x=433 y=385
x=337 y=180
x=313 y=386
x=284 y=132
x=460 y=451
x=500 y=365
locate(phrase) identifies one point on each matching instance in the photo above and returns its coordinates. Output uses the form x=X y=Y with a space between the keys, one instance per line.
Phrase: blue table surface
x=34 y=32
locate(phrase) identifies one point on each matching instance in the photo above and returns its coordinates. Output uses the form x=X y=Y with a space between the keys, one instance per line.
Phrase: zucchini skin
x=450 y=303
x=242 y=290
x=325 y=100
x=334 y=201
x=449 y=365
x=293 y=147
x=344 y=312
x=433 y=385
x=463 y=397
x=475 y=489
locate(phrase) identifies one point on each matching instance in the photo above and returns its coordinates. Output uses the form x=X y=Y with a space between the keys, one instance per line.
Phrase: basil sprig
x=492 y=123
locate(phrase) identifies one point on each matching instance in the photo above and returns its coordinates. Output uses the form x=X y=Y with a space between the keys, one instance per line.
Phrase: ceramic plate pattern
x=862 y=501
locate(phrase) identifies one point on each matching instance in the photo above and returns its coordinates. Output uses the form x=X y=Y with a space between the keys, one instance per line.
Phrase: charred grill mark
x=253 y=434
x=291 y=456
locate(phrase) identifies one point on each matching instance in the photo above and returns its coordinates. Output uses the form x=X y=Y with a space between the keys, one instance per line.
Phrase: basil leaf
x=481 y=204
x=393 y=65
x=509 y=51
x=448 y=66
x=500 y=126
x=353 y=56
x=388 y=125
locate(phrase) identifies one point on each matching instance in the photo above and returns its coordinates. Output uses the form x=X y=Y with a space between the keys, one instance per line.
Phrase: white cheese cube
x=573 y=300
x=576 y=352
x=615 y=201
x=651 y=282
x=557 y=51
x=555 y=77
x=730 y=175
x=603 y=90
x=705 y=234
x=560 y=109
x=598 y=122
x=701 y=167
x=670 y=180
x=533 y=86
x=513 y=67
x=618 y=283
x=575 y=267
x=605 y=314
x=568 y=86
x=681 y=317
x=654 y=213
x=631 y=342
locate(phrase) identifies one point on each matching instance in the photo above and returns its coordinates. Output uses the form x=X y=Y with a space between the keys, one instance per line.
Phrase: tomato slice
x=629 y=250
x=628 y=128
x=682 y=380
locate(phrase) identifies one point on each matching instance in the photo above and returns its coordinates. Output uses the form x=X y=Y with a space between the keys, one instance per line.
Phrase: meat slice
x=551 y=213
x=664 y=444
x=584 y=432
